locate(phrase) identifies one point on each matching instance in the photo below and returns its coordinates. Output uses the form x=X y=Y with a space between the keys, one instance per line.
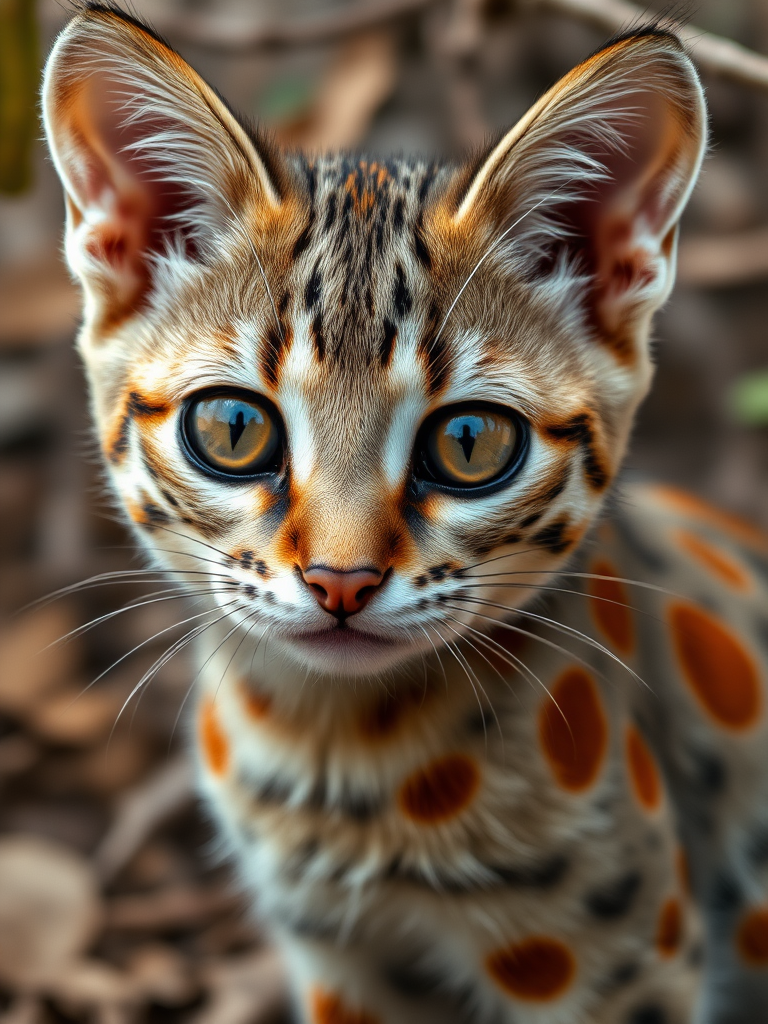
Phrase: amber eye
x=235 y=433
x=470 y=446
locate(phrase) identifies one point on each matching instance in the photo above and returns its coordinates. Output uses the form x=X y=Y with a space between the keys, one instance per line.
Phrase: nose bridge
x=345 y=528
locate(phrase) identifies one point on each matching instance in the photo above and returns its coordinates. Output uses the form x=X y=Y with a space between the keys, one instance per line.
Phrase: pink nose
x=341 y=592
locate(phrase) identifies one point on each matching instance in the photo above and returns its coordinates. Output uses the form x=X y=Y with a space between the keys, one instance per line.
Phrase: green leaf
x=19 y=71
x=748 y=399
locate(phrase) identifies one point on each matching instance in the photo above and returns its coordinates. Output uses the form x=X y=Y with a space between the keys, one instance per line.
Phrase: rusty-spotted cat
x=508 y=738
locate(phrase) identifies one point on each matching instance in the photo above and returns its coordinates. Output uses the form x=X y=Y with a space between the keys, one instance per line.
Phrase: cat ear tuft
x=150 y=157
x=598 y=172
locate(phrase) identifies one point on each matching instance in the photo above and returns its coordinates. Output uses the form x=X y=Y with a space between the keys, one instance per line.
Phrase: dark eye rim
x=252 y=398
x=422 y=474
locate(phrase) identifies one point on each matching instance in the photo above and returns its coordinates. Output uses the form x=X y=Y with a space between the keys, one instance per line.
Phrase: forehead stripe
x=387 y=345
x=316 y=330
x=274 y=346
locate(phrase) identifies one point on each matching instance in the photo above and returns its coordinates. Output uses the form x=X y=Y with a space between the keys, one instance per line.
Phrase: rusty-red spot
x=669 y=932
x=573 y=730
x=441 y=790
x=538 y=969
x=610 y=607
x=720 y=672
x=643 y=771
x=330 y=1008
x=752 y=937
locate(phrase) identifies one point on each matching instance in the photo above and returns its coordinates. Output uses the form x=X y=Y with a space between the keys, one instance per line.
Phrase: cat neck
x=331 y=702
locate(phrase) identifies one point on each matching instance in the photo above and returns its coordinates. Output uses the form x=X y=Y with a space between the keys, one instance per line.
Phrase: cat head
x=365 y=405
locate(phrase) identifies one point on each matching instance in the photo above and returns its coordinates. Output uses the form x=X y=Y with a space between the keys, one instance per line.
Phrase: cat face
x=367 y=407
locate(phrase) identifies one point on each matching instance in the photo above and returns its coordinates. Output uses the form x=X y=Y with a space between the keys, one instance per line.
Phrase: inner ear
x=151 y=159
x=594 y=179
x=119 y=176
x=622 y=220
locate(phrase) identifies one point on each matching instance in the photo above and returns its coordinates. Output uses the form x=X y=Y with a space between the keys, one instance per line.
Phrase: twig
x=214 y=33
x=458 y=51
x=248 y=990
x=714 y=54
x=183 y=906
x=140 y=812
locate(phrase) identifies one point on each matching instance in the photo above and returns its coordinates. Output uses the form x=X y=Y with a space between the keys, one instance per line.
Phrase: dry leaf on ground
x=49 y=909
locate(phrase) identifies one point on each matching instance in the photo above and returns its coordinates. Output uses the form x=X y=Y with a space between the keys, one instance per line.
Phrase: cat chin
x=349 y=653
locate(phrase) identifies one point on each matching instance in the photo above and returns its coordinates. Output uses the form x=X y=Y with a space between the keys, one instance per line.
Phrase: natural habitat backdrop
x=113 y=908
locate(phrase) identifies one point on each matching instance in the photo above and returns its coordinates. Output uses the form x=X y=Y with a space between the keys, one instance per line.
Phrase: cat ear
x=598 y=172
x=150 y=158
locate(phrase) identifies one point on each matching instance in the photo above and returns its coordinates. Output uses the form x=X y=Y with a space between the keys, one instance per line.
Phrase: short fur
x=472 y=798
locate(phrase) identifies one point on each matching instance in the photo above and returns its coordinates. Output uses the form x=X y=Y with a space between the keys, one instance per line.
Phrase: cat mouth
x=341 y=639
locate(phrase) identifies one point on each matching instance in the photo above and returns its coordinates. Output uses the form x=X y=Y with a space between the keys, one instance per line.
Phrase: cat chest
x=459 y=808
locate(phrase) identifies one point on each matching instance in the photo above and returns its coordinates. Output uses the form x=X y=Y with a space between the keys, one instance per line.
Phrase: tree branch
x=714 y=55
x=215 y=33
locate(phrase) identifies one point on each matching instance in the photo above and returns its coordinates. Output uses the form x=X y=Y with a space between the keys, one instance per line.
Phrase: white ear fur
x=601 y=169
x=149 y=156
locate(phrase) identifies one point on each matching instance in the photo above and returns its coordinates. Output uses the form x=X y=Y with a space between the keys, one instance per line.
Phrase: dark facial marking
x=552 y=537
x=420 y=247
x=359 y=807
x=398 y=215
x=580 y=430
x=433 y=350
x=387 y=344
x=275 y=345
x=273 y=790
x=614 y=900
x=314 y=288
x=381 y=220
x=169 y=498
x=302 y=242
x=137 y=407
x=402 y=298
x=318 y=338
x=330 y=213
x=154 y=515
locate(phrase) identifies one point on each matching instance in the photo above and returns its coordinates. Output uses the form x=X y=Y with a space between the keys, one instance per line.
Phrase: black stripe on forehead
x=274 y=347
x=361 y=286
x=302 y=242
x=435 y=354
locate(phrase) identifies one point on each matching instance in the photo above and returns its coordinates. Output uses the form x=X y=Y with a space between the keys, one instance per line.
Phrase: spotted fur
x=522 y=779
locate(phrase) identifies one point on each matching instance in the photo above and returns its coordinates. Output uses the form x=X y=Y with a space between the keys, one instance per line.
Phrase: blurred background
x=112 y=906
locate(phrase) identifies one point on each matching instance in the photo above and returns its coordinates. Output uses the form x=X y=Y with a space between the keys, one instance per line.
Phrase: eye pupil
x=467 y=442
x=236 y=429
